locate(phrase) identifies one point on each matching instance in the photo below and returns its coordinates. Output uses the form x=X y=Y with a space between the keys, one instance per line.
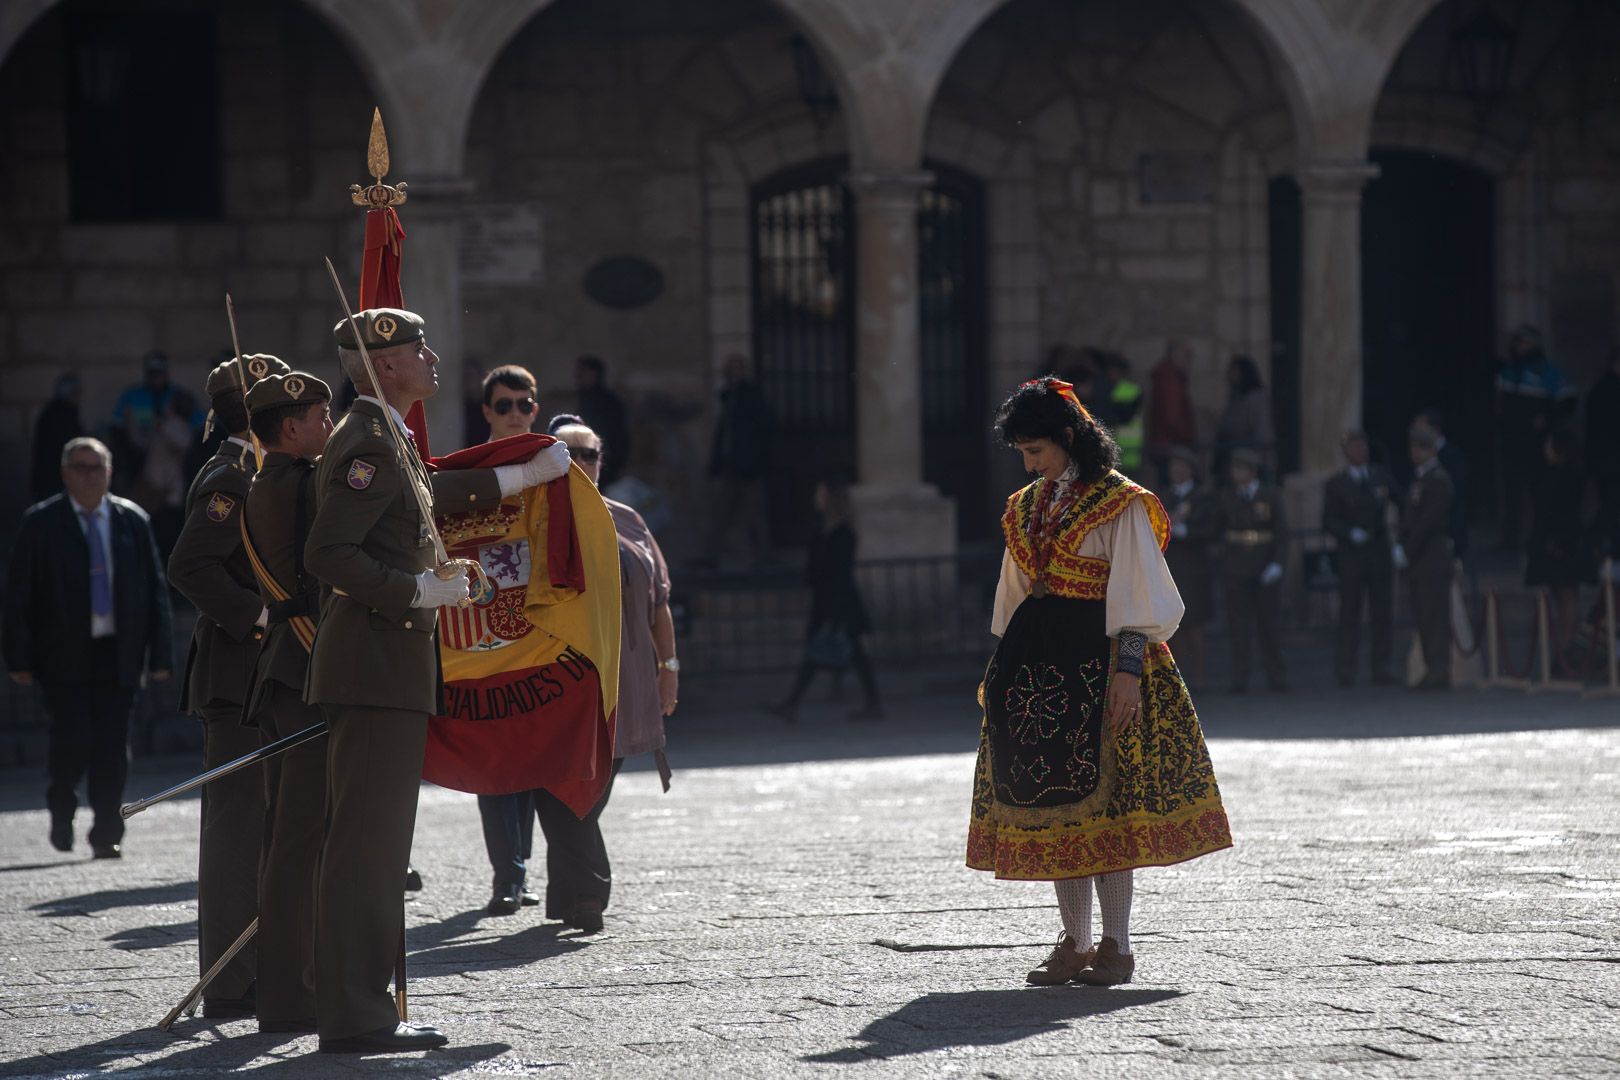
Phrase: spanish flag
x=531 y=667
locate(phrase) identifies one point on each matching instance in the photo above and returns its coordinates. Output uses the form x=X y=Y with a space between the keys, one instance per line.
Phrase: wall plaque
x=501 y=245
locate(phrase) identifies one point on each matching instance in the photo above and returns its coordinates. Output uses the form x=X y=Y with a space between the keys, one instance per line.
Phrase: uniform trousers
x=295 y=817
x=373 y=774
x=577 y=866
x=1252 y=612
x=1365 y=580
x=1430 y=579
x=228 y=855
x=89 y=733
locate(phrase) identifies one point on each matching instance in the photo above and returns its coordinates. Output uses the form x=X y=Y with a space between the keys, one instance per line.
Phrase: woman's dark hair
x=562 y=420
x=1037 y=411
x=511 y=376
x=1248 y=373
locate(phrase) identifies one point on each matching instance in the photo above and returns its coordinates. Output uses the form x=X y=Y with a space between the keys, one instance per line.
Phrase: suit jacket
x=280 y=507
x=1348 y=505
x=366 y=545
x=209 y=567
x=1455 y=463
x=1426 y=525
x=1254 y=530
x=47 y=611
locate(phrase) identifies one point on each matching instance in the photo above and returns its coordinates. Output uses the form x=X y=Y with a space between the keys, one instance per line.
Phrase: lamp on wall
x=816 y=90
x=1484 y=45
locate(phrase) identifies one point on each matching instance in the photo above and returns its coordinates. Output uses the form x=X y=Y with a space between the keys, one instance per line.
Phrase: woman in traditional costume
x=1091 y=759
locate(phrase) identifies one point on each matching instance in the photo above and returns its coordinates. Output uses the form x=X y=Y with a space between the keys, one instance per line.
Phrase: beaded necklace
x=1047 y=521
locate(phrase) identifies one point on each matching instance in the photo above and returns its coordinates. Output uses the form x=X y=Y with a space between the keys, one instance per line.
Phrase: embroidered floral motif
x=1036 y=703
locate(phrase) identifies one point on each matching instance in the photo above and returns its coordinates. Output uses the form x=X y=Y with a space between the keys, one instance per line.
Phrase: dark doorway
x=1428 y=305
x=1286 y=247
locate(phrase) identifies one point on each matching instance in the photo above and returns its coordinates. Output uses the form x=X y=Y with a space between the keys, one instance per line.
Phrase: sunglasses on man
x=525 y=405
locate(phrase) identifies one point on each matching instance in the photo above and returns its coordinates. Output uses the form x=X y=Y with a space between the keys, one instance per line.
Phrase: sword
x=263 y=753
x=241 y=379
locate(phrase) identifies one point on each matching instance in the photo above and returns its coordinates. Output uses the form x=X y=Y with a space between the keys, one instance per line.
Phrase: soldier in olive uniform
x=292 y=420
x=1256 y=537
x=1355 y=512
x=1427 y=547
x=209 y=568
x=374 y=670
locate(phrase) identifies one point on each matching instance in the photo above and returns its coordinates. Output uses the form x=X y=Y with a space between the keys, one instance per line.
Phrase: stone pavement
x=797 y=906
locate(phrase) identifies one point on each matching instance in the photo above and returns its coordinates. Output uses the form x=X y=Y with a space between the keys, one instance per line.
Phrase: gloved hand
x=1358 y=535
x=543 y=468
x=1398 y=555
x=1271 y=574
x=434 y=591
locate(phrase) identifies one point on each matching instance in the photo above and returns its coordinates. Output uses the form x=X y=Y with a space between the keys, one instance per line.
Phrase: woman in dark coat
x=837 y=616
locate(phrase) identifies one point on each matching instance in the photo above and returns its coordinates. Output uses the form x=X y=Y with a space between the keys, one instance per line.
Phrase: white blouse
x=1142 y=596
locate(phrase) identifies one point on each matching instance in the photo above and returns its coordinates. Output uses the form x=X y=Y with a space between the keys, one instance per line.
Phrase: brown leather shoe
x=1065 y=963
x=1108 y=967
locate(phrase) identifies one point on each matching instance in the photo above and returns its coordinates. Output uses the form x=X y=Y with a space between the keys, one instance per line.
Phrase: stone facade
x=1124 y=149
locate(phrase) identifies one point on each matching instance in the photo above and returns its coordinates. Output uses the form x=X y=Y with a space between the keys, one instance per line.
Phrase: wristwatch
x=672 y=664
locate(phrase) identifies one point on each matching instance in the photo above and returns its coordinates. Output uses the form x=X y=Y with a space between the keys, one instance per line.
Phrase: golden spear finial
x=378 y=194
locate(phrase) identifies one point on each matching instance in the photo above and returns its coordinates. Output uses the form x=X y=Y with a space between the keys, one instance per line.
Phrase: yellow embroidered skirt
x=1056 y=796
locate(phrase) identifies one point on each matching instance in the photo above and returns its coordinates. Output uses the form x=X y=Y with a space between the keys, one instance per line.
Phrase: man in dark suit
x=1455 y=462
x=1251 y=522
x=1426 y=547
x=1355 y=512
x=86 y=616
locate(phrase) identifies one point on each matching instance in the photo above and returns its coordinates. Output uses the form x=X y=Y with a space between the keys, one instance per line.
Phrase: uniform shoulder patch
x=361 y=474
x=220 y=506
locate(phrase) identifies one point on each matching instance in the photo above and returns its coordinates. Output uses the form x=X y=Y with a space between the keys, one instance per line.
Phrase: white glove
x=1358 y=535
x=1271 y=574
x=1398 y=555
x=264 y=617
x=543 y=468
x=1179 y=530
x=433 y=591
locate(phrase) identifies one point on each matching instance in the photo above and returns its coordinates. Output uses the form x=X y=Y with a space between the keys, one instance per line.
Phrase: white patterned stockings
x=1114 y=892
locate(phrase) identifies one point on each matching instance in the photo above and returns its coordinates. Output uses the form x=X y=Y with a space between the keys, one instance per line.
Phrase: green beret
x=256 y=366
x=382 y=328
x=294 y=388
x=1244 y=455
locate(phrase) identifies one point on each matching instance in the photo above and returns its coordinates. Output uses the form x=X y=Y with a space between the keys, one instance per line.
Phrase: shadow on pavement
x=942 y=1021
x=174 y=892
x=157 y=936
x=440 y=945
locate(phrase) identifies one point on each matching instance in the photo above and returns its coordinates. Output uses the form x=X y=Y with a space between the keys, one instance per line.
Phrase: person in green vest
x=1122 y=410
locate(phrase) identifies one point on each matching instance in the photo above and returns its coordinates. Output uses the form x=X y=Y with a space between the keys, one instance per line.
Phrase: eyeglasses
x=525 y=405
x=590 y=455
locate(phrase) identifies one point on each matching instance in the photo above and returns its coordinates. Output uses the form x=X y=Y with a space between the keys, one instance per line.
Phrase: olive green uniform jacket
x=210 y=568
x=1253 y=530
x=366 y=545
x=280 y=509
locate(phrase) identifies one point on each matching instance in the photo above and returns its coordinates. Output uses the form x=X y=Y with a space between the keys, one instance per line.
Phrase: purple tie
x=100 y=591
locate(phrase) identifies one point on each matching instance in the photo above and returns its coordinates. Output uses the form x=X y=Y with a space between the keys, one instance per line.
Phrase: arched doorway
x=1428 y=302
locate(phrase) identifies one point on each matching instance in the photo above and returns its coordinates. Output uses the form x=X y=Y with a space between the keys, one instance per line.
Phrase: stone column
x=1330 y=384
x=897 y=513
x=430 y=277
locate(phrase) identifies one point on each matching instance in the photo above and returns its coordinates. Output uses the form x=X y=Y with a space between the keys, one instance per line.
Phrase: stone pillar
x=430 y=277
x=1330 y=384
x=897 y=513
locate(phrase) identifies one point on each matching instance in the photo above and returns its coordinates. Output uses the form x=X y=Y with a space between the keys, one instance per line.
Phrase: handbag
x=830 y=647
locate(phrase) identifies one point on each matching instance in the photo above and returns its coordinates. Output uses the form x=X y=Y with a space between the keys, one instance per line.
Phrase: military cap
x=1245 y=455
x=295 y=388
x=381 y=328
x=255 y=366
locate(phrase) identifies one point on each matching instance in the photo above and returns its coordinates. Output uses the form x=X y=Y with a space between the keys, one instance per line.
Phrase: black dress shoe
x=229 y=1009
x=506 y=900
x=388 y=1040
x=286 y=1027
x=586 y=916
x=413 y=879
x=107 y=851
x=62 y=834
x=530 y=899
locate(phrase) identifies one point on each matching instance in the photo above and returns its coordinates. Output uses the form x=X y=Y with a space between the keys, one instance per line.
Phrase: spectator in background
x=1122 y=411
x=1247 y=419
x=511 y=401
x=603 y=411
x=1192 y=532
x=87 y=618
x=160 y=489
x=1250 y=516
x=1170 y=421
x=1455 y=462
x=1425 y=549
x=1532 y=398
x=739 y=460
x=1558 y=553
x=1355 y=512
x=1603 y=455
x=58 y=424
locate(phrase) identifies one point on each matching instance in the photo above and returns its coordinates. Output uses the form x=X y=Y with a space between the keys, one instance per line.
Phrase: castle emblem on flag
x=361 y=475
x=220 y=507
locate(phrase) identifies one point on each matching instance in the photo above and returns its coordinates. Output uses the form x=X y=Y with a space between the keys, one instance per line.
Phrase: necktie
x=100 y=587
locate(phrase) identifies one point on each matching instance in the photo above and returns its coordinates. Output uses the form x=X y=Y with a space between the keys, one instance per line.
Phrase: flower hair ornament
x=1062 y=389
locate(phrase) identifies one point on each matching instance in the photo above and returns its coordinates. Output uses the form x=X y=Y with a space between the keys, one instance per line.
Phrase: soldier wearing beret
x=1256 y=544
x=292 y=420
x=374 y=670
x=210 y=569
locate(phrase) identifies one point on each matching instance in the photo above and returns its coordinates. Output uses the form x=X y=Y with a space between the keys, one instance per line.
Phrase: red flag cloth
x=380 y=287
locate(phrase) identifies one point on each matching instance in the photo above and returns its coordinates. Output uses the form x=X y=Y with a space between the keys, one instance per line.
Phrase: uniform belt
x=1248 y=537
